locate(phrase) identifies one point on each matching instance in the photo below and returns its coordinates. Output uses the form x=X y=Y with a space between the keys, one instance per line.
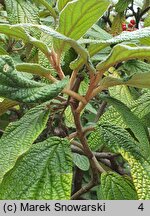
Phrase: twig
x=98 y=155
x=85 y=130
x=77 y=147
x=1 y=131
x=83 y=190
x=54 y=60
x=78 y=176
x=144 y=11
x=100 y=111
x=75 y=95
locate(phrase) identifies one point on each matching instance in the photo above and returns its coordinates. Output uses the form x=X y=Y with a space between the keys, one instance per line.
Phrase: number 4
x=141 y=207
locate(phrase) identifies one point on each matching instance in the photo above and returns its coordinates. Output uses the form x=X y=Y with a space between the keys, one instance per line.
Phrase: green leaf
x=48 y=7
x=127 y=53
x=18 y=32
x=77 y=17
x=43 y=173
x=98 y=45
x=20 y=11
x=3 y=51
x=116 y=187
x=98 y=33
x=34 y=69
x=19 y=137
x=16 y=87
x=122 y=5
x=135 y=66
x=61 y=4
x=139 y=80
x=91 y=109
x=118 y=140
x=69 y=119
x=116 y=27
x=133 y=122
x=95 y=140
x=121 y=92
x=140 y=107
x=6 y=104
x=81 y=161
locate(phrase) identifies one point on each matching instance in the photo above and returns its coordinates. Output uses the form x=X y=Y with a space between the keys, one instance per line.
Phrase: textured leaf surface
x=135 y=66
x=77 y=17
x=20 y=135
x=120 y=92
x=69 y=119
x=34 y=69
x=16 y=87
x=17 y=31
x=97 y=45
x=119 y=141
x=81 y=161
x=140 y=107
x=126 y=52
x=95 y=140
x=20 y=11
x=139 y=80
x=43 y=173
x=116 y=28
x=20 y=31
x=116 y=187
x=98 y=33
x=133 y=122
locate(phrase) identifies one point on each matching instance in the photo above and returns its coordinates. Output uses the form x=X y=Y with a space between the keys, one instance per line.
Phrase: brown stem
x=94 y=181
x=80 y=134
x=77 y=145
x=78 y=176
x=83 y=190
x=55 y=62
x=73 y=78
x=98 y=155
x=95 y=166
x=85 y=130
x=75 y=95
x=100 y=111
x=144 y=11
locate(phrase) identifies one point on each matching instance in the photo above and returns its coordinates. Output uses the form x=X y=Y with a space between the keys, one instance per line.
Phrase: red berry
x=130 y=25
x=124 y=27
x=132 y=22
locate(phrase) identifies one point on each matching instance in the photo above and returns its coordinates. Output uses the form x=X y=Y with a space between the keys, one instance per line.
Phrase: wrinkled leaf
x=43 y=173
x=16 y=87
x=116 y=187
x=77 y=17
x=98 y=45
x=139 y=80
x=133 y=122
x=19 y=137
x=20 y=11
x=123 y=53
x=118 y=140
